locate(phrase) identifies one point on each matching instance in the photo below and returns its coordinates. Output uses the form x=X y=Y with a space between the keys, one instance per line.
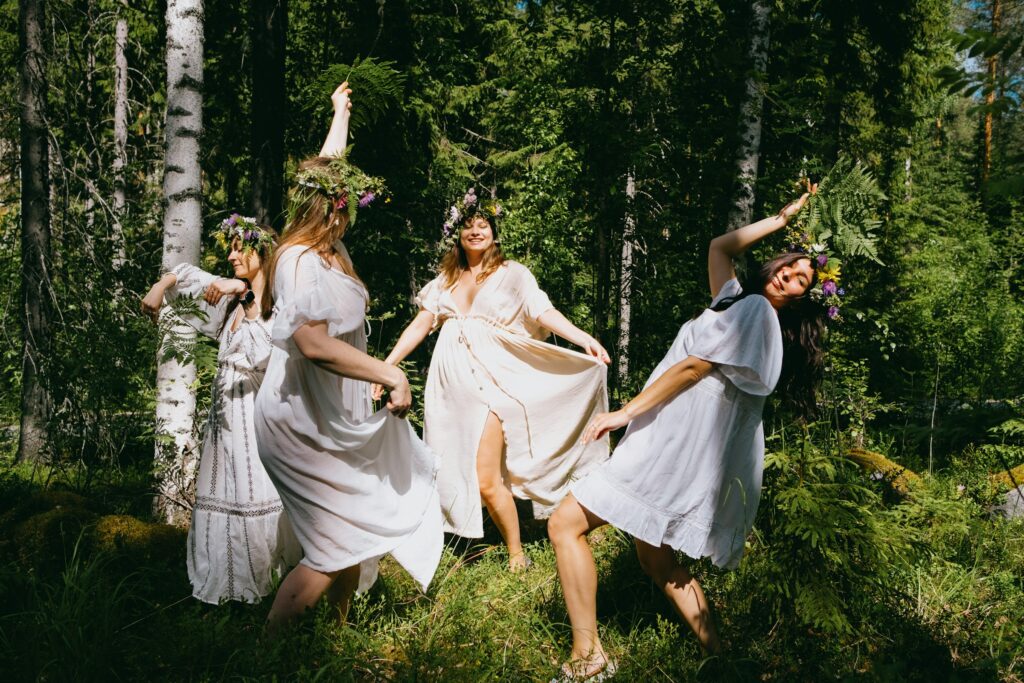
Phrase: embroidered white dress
x=491 y=359
x=356 y=484
x=688 y=473
x=239 y=537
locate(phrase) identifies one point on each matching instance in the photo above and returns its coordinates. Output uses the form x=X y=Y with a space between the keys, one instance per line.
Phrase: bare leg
x=299 y=591
x=568 y=529
x=682 y=590
x=497 y=496
x=341 y=591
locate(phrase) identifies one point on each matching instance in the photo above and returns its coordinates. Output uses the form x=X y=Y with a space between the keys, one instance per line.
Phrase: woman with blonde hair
x=503 y=409
x=356 y=484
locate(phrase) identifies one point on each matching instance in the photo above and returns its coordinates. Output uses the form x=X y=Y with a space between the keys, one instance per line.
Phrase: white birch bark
x=626 y=281
x=120 y=130
x=748 y=155
x=175 y=409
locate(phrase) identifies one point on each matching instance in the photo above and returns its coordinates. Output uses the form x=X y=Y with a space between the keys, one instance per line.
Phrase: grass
x=80 y=606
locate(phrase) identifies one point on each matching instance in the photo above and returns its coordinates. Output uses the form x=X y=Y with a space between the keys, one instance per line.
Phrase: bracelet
x=249 y=296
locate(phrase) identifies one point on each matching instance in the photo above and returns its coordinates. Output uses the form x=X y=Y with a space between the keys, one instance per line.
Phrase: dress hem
x=620 y=506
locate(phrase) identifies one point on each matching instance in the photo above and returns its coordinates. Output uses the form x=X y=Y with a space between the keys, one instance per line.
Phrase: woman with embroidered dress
x=239 y=538
x=503 y=409
x=686 y=475
x=356 y=484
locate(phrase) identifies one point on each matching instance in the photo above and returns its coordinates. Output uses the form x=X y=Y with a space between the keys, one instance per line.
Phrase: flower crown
x=247 y=230
x=827 y=268
x=470 y=206
x=339 y=181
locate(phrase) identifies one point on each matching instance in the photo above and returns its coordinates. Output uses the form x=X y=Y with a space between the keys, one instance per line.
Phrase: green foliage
x=376 y=85
x=179 y=340
x=844 y=212
x=826 y=547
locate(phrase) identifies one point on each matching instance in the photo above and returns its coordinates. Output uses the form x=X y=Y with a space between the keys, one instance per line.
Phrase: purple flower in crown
x=829 y=288
x=453 y=214
x=841 y=292
x=470 y=198
x=821 y=260
x=232 y=219
x=833 y=311
x=366 y=199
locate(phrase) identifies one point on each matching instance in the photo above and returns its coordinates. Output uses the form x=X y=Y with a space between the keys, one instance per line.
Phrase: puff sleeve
x=745 y=341
x=307 y=290
x=192 y=282
x=535 y=301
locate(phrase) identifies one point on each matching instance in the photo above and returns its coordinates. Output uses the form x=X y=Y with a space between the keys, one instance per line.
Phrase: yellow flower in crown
x=830 y=271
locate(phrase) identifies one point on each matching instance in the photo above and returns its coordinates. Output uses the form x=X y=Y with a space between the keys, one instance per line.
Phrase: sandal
x=568 y=673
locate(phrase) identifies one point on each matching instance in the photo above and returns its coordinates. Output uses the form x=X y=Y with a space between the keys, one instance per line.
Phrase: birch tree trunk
x=35 y=228
x=749 y=153
x=175 y=409
x=270 y=23
x=626 y=282
x=120 y=130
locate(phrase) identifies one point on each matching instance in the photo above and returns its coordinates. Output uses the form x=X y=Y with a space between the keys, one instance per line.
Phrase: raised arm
x=724 y=248
x=343 y=359
x=337 y=136
x=680 y=376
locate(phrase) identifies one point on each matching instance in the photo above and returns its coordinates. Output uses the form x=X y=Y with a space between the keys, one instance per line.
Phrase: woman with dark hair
x=504 y=410
x=356 y=484
x=239 y=538
x=687 y=474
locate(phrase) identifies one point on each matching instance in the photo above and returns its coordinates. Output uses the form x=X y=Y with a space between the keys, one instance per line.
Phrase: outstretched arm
x=337 y=136
x=725 y=248
x=680 y=376
x=553 y=320
x=413 y=335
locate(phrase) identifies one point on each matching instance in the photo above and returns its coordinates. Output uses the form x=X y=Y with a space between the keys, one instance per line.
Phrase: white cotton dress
x=356 y=484
x=687 y=474
x=491 y=359
x=239 y=537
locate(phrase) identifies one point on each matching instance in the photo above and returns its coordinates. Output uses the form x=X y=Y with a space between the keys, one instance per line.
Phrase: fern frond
x=376 y=87
x=844 y=211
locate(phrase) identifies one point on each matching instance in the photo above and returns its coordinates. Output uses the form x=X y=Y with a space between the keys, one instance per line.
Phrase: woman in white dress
x=239 y=538
x=356 y=485
x=503 y=409
x=687 y=474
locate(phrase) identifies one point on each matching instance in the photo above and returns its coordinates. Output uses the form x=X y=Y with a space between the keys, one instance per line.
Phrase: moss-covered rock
x=46 y=540
x=141 y=541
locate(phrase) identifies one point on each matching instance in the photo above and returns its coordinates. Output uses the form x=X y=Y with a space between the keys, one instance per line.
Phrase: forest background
x=620 y=136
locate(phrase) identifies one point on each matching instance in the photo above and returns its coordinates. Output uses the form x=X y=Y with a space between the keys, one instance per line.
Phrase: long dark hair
x=455 y=261
x=802 y=321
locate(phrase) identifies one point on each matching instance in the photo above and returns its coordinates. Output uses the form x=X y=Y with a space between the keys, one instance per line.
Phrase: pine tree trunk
x=990 y=97
x=749 y=153
x=120 y=131
x=270 y=23
x=35 y=229
x=182 y=231
x=626 y=283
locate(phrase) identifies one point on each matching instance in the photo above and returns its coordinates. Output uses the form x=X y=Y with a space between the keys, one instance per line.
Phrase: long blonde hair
x=315 y=222
x=455 y=261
